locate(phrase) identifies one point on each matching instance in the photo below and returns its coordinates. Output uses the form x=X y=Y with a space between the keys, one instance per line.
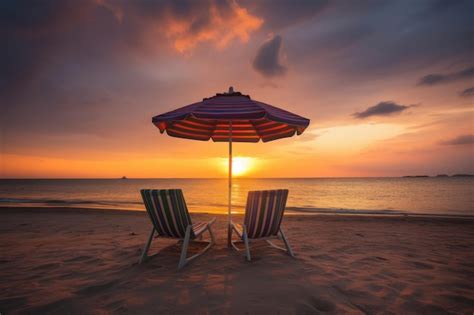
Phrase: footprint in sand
x=77 y=258
x=115 y=305
x=321 y=305
x=90 y=259
x=321 y=257
x=420 y=265
x=46 y=266
x=375 y=287
x=96 y=288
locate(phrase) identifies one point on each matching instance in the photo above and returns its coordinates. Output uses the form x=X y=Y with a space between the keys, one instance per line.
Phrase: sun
x=240 y=165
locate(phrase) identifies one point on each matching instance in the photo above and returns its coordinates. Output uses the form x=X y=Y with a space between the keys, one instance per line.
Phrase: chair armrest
x=211 y=222
x=235 y=227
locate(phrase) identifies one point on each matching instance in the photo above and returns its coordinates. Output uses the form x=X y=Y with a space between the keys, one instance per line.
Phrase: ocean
x=435 y=196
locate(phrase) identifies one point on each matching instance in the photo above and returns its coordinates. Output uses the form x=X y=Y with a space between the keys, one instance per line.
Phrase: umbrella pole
x=229 y=234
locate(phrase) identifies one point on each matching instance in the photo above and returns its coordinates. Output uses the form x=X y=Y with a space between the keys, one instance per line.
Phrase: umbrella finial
x=230 y=92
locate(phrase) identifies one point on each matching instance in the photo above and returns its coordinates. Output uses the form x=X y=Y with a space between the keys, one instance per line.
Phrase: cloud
x=310 y=136
x=267 y=61
x=386 y=108
x=467 y=92
x=367 y=39
x=460 y=140
x=186 y=24
x=36 y=35
x=220 y=23
x=280 y=14
x=438 y=78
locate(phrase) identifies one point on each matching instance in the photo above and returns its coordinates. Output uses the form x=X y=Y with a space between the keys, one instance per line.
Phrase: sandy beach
x=85 y=261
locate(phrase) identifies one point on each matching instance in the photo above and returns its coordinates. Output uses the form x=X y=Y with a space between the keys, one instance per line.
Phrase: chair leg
x=232 y=243
x=184 y=249
x=246 y=241
x=213 y=240
x=147 y=246
x=229 y=236
x=287 y=245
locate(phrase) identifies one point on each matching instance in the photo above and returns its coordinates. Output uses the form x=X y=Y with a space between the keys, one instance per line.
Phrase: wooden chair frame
x=183 y=260
x=243 y=237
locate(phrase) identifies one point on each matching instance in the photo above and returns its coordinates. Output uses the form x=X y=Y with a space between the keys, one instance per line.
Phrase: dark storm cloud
x=267 y=61
x=460 y=140
x=376 y=38
x=467 y=92
x=184 y=9
x=386 y=108
x=438 y=78
x=279 y=14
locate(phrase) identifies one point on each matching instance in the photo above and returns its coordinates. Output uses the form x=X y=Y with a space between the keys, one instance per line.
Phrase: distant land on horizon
x=184 y=178
x=439 y=175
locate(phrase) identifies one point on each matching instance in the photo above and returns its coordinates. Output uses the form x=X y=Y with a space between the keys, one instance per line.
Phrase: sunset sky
x=388 y=85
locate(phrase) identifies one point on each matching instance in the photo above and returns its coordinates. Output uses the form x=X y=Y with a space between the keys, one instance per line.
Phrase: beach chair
x=170 y=218
x=262 y=220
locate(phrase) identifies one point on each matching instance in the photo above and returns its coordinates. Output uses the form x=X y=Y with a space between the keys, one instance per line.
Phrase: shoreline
x=291 y=212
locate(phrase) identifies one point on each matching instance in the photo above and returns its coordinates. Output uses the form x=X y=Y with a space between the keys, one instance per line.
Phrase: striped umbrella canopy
x=230 y=117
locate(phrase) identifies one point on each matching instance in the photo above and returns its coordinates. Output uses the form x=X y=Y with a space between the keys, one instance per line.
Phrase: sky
x=388 y=85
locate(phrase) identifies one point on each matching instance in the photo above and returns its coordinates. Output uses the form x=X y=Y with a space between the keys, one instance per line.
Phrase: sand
x=64 y=261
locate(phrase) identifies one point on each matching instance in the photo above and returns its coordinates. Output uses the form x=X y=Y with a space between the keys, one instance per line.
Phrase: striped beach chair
x=263 y=216
x=170 y=218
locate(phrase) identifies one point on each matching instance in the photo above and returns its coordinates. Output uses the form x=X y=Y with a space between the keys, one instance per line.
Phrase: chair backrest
x=167 y=211
x=264 y=212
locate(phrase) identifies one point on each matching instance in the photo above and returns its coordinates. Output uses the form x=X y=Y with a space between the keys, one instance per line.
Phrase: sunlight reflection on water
x=453 y=195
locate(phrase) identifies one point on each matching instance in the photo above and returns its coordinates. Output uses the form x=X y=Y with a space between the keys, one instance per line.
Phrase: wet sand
x=85 y=261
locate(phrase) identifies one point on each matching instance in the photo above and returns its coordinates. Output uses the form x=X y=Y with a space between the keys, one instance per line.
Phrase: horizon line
x=296 y=177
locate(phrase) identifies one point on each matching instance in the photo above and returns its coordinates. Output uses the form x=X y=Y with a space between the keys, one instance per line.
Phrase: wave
x=70 y=202
x=309 y=209
x=199 y=207
x=345 y=211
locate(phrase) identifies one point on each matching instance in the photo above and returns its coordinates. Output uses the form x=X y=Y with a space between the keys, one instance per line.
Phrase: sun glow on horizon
x=240 y=165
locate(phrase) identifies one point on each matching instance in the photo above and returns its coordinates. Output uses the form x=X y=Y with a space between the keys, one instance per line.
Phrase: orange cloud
x=218 y=27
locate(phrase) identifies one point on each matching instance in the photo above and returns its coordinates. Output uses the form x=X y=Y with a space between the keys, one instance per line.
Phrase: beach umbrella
x=230 y=117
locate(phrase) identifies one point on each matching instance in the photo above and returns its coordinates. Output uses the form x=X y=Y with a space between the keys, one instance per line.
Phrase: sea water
x=427 y=195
